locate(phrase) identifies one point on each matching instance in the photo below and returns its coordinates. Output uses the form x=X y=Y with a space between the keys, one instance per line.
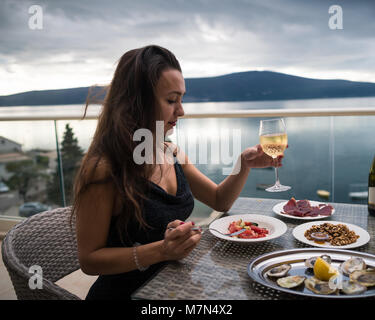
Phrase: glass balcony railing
x=328 y=158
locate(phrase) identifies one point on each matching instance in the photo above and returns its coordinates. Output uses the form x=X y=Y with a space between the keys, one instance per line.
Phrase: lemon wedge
x=323 y=270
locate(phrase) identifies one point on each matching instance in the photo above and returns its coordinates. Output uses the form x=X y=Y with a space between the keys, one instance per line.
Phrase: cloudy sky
x=81 y=41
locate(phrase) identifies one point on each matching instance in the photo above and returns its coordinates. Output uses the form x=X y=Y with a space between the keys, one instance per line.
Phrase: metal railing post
x=60 y=167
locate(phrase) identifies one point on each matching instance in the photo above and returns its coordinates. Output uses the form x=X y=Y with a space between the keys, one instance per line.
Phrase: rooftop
x=15 y=156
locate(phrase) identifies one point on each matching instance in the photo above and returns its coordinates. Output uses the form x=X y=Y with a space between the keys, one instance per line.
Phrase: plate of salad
x=257 y=228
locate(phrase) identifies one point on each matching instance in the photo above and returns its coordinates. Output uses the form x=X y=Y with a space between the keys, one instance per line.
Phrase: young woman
x=129 y=216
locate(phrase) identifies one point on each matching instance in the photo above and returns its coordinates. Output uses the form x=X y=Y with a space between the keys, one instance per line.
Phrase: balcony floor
x=77 y=283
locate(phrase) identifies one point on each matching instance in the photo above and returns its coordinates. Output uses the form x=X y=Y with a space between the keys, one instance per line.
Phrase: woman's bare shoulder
x=97 y=177
x=96 y=168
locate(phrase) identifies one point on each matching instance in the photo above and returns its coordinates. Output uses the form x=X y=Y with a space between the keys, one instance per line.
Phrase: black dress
x=160 y=209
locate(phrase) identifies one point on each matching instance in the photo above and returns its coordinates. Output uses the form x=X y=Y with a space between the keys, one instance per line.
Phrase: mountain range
x=242 y=86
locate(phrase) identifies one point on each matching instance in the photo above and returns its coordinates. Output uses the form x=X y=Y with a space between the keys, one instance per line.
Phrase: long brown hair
x=129 y=105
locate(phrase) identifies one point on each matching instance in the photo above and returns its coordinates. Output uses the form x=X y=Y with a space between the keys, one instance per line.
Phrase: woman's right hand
x=179 y=241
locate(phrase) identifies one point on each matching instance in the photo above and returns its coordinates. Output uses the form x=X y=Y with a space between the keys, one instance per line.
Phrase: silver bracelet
x=139 y=267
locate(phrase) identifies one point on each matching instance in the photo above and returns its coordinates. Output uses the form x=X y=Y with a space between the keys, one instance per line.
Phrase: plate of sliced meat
x=304 y=209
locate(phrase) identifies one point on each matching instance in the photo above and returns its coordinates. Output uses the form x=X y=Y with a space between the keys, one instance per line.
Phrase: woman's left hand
x=254 y=157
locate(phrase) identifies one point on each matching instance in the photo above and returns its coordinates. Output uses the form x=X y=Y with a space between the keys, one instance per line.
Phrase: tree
x=71 y=156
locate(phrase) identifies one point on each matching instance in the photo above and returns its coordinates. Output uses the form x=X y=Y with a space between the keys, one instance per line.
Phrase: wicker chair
x=47 y=240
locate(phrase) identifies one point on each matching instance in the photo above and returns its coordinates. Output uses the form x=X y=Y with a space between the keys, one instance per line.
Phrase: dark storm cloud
x=86 y=25
x=239 y=35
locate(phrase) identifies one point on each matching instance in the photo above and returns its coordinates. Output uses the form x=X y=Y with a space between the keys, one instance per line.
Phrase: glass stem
x=277 y=183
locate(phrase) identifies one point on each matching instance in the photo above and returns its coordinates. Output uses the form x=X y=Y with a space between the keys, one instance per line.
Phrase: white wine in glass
x=273 y=139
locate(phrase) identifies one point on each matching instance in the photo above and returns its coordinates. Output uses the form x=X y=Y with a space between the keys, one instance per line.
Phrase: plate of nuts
x=333 y=234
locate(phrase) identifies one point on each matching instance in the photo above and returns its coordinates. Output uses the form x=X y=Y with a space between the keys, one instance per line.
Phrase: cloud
x=81 y=41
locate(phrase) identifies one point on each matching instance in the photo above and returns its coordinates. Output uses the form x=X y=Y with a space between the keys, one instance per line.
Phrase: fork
x=208 y=228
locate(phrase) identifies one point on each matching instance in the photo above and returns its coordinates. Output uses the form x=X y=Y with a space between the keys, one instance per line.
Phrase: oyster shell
x=353 y=264
x=318 y=286
x=279 y=271
x=309 y=263
x=350 y=287
x=291 y=281
x=364 y=277
x=327 y=258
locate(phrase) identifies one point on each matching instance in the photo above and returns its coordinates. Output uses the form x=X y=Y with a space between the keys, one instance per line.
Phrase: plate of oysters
x=316 y=272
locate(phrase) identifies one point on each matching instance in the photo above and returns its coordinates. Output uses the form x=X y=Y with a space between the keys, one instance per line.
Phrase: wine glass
x=273 y=139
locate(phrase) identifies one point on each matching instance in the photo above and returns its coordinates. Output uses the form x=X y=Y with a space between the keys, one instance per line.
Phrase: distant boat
x=358 y=195
x=323 y=194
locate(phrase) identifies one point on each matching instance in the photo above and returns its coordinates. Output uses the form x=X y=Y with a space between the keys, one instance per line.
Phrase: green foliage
x=23 y=172
x=42 y=161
